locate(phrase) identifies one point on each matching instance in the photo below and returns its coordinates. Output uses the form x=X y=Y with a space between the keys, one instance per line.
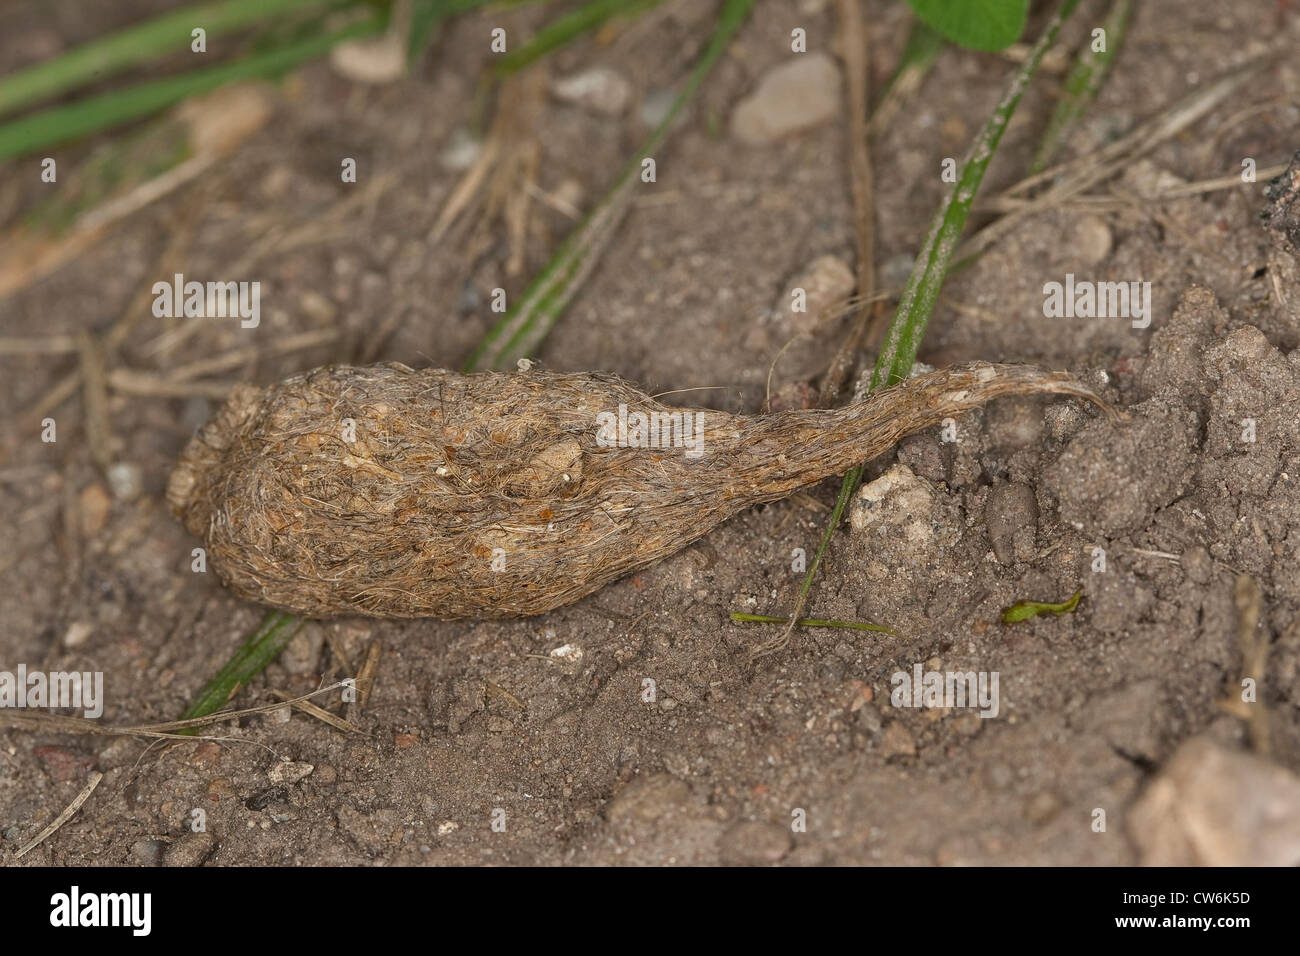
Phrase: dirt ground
x=799 y=758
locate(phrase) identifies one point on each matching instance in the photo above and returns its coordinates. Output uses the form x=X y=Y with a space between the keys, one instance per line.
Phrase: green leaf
x=975 y=24
x=1023 y=610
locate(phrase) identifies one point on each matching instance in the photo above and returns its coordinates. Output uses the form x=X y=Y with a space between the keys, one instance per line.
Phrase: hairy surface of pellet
x=391 y=492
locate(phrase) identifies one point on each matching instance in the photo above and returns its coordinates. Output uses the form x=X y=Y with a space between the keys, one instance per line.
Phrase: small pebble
x=799 y=94
x=897 y=741
x=897 y=498
x=869 y=720
x=1011 y=517
x=147 y=852
x=125 y=479
x=598 y=90
x=1042 y=808
x=1091 y=241
x=301 y=655
x=647 y=798
x=64 y=764
x=1197 y=564
x=78 y=633
x=826 y=282
x=289 y=771
x=754 y=844
x=371 y=60
x=655 y=107
x=896 y=270
x=193 y=849
x=95 y=505
x=1063 y=420
x=461 y=151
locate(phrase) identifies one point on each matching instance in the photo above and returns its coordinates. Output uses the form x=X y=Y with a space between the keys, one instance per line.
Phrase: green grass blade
x=527 y=324
x=1023 y=610
x=425 y=17
x=922 y=290
x=810 y=622
x=150 y=40
x=59 y=125
x=903 y=339
x=1082 y=85
x=276 y=631
x=569 y=27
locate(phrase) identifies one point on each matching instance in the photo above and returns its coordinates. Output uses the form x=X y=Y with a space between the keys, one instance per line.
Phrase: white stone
x=799 y=94
x=899 y=498
x=597 y=90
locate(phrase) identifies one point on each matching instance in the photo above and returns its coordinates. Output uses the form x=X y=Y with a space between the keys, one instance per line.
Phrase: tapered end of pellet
x=964 y=386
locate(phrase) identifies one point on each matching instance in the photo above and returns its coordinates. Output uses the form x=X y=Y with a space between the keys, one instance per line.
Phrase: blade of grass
x=923 y=285
x=275 y=632
x=1082 y=85
x=61 y=124
x=569 y=27
x=811 y=622
x=1024 y=610
x=169 y=33
x=524 y=327
x=903 y=339
x=425 y=16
